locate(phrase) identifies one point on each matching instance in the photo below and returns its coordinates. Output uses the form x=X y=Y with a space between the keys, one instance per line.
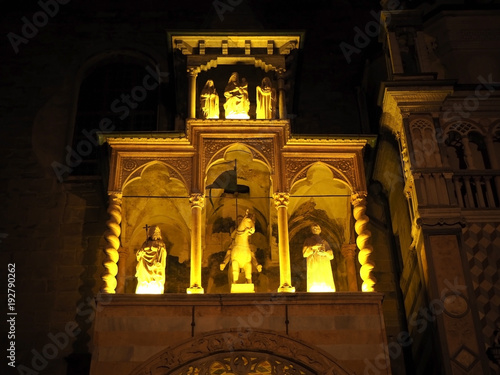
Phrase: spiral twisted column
x=281 y=201
x=112 y=236
x=358 y=201
x=197 y=203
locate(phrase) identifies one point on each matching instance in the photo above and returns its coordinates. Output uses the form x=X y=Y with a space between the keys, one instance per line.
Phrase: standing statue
x=319 y=269
x=240 y=254
x=266 y=100
x=209 y=101
x=237 y=104
x=151 y=263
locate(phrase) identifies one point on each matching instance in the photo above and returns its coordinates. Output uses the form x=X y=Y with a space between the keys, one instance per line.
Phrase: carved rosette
x=112 y=236
x=281 y=200
x=358 y=201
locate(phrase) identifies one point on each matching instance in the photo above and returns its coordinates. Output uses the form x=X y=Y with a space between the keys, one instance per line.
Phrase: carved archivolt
x=238 y=352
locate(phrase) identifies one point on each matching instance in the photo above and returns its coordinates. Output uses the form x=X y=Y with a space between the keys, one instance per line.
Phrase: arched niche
x=207 y=354
x=325 y=200
x=223 y=205
x=156 y=198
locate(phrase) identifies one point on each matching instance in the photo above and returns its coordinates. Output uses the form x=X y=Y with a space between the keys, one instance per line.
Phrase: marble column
x=192 y=74
x=112 y=236
x=358 y=201
x=349 y=252
x=281 y=201
x=197 y=202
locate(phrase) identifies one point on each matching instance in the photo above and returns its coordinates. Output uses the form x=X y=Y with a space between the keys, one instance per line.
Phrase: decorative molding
x=237 y=342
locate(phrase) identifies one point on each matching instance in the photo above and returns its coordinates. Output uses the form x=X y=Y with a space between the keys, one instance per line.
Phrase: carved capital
x=197 y=200
x=115 y=197
x=281 y=200
x=193 y=72
x=358 y=198
x=349 y=250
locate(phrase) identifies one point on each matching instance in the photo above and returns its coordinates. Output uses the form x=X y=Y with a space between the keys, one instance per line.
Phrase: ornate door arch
x=240 y=352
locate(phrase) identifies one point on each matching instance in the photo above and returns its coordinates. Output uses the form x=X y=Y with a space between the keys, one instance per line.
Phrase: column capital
x=358 y=198
x=192 y=71
x=349 y=250
x=281 y=199
x=280 y=72
x=115 y=194
x=197 y=200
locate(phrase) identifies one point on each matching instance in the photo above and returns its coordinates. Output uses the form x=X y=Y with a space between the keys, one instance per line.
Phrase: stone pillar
x=192 y=74
x=197 y=202
x=281 y=92
x=349 y=252
x=281 y=203
x=358 y=201
x=112 y=236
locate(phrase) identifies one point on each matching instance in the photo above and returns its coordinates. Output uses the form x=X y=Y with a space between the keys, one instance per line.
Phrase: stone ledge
x=338 y=298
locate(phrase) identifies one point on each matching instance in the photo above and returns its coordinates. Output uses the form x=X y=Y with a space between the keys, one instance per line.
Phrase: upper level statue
x=209 y=101
x=319 y=268
x=237 y=104
x=151 y=263
x=266 y=100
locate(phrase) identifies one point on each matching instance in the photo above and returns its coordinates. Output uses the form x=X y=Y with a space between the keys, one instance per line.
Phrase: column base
x=286 y=289
x=242 y=288
x=195 y=290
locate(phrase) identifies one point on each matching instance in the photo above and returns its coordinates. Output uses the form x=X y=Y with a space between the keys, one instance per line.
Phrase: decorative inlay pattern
x=481 y=243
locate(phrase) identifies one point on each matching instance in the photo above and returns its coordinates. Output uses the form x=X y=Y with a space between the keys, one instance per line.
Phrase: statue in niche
x=407 y=49
x=237 y=104
x=151 y=263
x=239 y=252
x=266 y=100
x=319 y=268
x=209 y=101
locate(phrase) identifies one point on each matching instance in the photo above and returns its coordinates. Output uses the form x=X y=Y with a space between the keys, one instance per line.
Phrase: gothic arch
x=230 y=346
x=135 y=172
